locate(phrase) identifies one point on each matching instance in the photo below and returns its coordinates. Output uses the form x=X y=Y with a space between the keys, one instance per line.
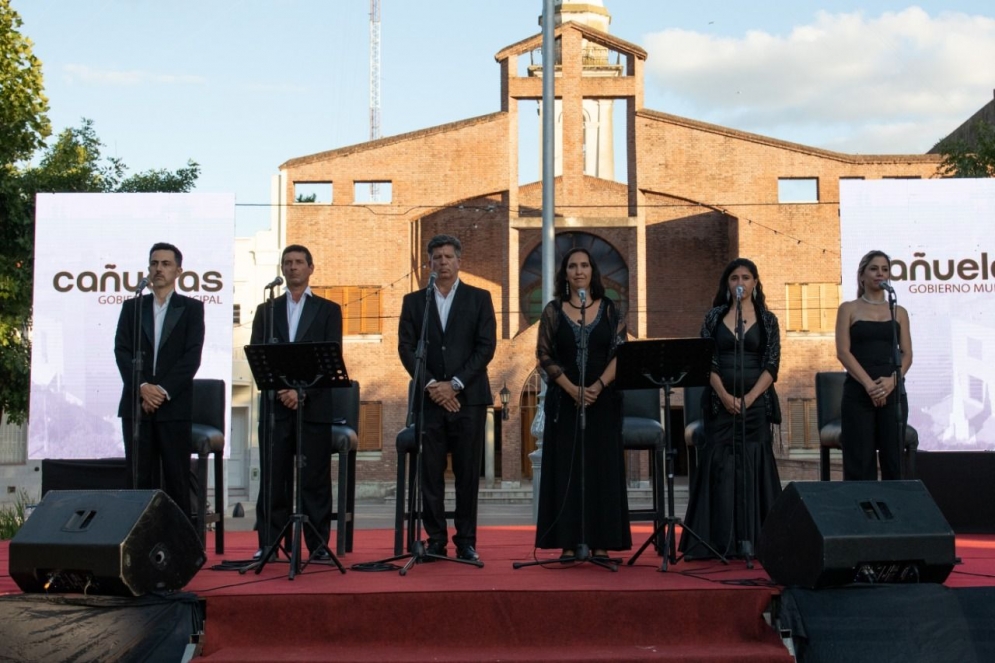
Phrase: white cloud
x=85 y=74
x=894 y=83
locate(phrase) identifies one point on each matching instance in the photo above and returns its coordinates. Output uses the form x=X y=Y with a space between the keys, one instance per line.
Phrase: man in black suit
x=298 y=316
x=461 y=338
x=171 y=342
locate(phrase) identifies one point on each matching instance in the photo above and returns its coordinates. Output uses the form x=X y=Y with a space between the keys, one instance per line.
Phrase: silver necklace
x=873 y=301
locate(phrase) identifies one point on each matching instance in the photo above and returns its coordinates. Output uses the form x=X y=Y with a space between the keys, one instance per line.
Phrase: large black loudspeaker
x=822 y=534
x=117 y=542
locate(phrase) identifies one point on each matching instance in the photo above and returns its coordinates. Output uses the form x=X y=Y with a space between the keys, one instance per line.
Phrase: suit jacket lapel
x=281 y=328
x=435 y=316
x=173 y=315
x=307 y=317
x=148 y=318
x=454 y=307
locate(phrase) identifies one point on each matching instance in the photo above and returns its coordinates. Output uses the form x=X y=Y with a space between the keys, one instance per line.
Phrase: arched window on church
x=614 y=272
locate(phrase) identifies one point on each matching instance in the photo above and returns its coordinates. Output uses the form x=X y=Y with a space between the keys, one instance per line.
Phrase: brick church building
x=693 y=196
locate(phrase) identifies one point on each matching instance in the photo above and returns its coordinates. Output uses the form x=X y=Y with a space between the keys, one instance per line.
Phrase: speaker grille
x=117 y=542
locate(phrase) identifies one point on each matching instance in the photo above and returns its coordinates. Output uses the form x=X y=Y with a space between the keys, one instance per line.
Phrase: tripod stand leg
x=651 y=539
x=269 y=552
x=322 y=548
x=711 y=549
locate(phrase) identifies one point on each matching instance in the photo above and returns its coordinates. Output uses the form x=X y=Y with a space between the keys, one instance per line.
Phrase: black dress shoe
x=467 y=553
x=435 y=548
x=322 y=555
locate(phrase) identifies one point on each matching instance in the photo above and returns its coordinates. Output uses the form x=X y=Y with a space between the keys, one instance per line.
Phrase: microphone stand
x=137 y=371
x=744 y=546
x=582 y=553
x=418 y=552
x=269 y=413
x=896 y=360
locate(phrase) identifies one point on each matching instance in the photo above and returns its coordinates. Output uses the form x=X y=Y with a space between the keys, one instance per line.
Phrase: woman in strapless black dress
x=864 y=342
x=737 y=480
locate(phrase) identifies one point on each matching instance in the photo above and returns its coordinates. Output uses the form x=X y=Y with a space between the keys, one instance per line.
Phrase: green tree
x=24 y=126
x=23 y=121
x=974 y=159
x=72 y=163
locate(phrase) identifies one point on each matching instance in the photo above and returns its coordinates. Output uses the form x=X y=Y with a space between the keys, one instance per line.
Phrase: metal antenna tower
x=374 y=83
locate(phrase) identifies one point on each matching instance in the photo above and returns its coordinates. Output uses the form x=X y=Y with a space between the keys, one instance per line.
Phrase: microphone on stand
x=887 y=286
x=582 y=293
x=275 y=282
x=144 y=283
x=739 y=293
x=431 y=285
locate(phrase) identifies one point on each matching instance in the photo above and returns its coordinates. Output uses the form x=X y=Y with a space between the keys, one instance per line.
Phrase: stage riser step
x=444 y=653
x=571 y=625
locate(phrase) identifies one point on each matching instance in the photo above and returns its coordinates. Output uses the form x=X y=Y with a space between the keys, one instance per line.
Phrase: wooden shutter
x=794 y=322
x=370 y=426
x=803 y=428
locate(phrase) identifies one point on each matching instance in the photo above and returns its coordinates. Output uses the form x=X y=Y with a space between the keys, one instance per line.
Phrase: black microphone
x=144 y=283
x=739 y=293
x=887 y=286
x=583 y=296
x=275 y=282
x=431 y=280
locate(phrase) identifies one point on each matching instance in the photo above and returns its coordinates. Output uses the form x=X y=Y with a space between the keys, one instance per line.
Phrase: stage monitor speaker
x=115 y=542
x=830 y=533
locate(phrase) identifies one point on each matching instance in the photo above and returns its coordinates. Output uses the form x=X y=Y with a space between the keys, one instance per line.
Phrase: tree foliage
x=23 y=121
x=72 y=163
x=974 y=159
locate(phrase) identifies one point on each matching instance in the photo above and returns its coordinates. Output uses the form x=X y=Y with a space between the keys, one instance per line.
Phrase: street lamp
x=505 y=399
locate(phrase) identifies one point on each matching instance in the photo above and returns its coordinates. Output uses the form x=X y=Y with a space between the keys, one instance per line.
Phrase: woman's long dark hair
x=864 y=262
x=597 y=288
x=722 y=297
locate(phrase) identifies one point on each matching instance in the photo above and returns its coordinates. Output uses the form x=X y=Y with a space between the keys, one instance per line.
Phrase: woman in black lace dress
x=605 y=509
x=864 y=343
x=737 y=481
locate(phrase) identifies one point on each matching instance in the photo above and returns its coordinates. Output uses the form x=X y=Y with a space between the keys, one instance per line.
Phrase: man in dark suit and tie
x=171 y=341
x=461 y=338
x=298 y=316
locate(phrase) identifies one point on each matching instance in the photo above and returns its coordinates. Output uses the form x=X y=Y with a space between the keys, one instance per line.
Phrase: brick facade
x=697 y=196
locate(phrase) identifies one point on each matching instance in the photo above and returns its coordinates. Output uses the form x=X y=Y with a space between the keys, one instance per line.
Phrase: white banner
x=90 y=249
x=940 y=235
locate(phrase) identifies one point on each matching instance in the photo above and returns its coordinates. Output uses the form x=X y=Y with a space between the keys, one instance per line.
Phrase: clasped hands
x=880 y=389
x=735 y=405
x=152 y=397
x=591 y=393
x=443 y=394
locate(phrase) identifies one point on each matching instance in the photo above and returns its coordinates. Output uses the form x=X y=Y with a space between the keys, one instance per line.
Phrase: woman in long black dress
x=737 y=481
x=864 y=342
x=605 y=510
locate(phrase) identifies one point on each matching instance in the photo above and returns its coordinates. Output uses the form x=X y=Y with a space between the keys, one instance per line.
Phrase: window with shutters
x=360 y=307
x=370 y=426
x=812 y=307
x=803 y=424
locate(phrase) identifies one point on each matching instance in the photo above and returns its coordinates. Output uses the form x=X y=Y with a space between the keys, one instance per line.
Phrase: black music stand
x=666 y=363
x=297 y=366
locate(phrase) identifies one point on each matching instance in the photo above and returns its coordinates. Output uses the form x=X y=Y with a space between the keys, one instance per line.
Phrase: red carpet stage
x=699 y=611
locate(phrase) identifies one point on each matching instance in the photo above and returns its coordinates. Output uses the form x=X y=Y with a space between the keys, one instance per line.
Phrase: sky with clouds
x=243 y=85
